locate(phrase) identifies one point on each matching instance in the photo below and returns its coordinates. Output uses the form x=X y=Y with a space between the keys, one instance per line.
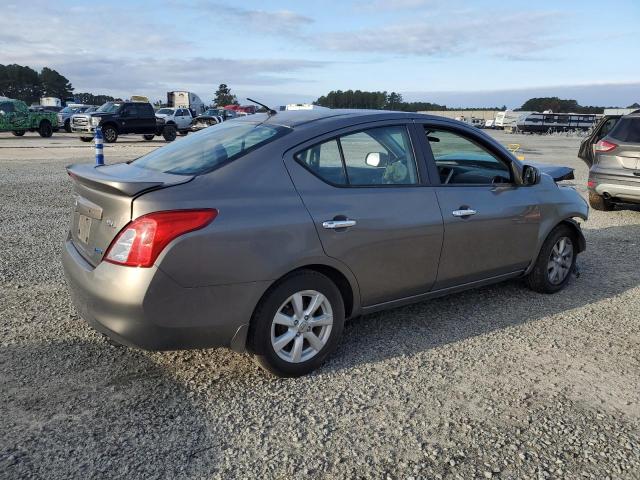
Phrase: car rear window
x=210 y=148
x=627 y=130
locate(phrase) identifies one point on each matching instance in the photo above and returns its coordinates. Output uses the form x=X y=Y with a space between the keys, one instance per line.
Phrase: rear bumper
x=622 y=187
x=145 y=308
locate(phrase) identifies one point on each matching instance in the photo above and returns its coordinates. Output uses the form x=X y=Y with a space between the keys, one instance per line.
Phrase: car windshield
x=210 y=148
x=109 y=107
x=165 y=111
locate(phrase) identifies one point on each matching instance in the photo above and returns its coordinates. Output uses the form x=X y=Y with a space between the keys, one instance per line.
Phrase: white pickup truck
x=180 y=117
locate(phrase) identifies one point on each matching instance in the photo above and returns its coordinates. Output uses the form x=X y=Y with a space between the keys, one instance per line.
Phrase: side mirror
x=372 y=159
x=530 y=175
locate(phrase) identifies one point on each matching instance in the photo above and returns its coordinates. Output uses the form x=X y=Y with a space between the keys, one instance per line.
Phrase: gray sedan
x=264 y=234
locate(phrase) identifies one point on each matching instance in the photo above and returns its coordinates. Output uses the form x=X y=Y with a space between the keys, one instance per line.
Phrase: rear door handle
x=333 y=224
x=463 y=213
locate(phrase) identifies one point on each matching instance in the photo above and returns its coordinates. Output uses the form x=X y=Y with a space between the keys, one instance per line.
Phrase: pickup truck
x=15 y=117
x=117 y=118
x=180 y=117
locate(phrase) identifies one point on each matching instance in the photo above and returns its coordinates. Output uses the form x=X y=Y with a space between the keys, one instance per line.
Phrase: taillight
x=140 y=242
x=591 y=184
x=604 y=146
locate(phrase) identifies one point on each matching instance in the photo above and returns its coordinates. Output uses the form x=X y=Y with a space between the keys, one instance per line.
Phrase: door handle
x=467 y=212
x=334 y=224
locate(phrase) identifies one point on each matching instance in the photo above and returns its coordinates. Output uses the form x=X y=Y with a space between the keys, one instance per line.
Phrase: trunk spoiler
x=123 y=178
x=557 y=172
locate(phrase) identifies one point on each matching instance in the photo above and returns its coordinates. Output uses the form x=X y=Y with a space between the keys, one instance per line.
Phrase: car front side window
x=460 y=160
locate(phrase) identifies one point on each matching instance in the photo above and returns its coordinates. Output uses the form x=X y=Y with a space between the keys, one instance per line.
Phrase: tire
x=86 y=139
x=45 y=129
x=598 y=202
x=67 y=126
x=554 y=257
x=18 y=133
x=289 y=361
x=110 y=134
x=169 y=133
x=148 y=138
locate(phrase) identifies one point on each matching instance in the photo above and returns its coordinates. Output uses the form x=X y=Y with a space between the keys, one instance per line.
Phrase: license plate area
x=84 y=228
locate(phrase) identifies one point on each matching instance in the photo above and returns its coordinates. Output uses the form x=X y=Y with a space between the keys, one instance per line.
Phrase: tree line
x=373 y=101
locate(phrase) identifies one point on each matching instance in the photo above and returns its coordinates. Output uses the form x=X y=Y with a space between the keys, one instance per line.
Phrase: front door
x=371 y=208
x=491 y=222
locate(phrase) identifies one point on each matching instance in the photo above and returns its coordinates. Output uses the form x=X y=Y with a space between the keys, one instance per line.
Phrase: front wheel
x=18 y=133
x=555 y=262
x=169 y=133
x=110 y=134
x=297 y=324
x=45 y=129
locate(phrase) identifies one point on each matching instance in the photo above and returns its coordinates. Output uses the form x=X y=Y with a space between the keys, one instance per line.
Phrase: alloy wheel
x=560 y=260
x=302 y=326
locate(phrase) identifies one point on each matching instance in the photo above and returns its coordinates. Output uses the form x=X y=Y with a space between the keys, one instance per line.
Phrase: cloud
x=281 y=22
x=518 y=36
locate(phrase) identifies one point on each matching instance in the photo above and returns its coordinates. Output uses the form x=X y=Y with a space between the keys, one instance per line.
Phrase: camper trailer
x=50 y=102
x=179 y=99
x=507 y=120
x=555 y=122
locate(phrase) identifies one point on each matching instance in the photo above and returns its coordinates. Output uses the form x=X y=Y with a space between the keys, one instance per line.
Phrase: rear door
x=491 y=223
x=372 y=207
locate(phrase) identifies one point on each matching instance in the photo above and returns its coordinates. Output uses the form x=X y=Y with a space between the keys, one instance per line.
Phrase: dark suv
x=117 y=118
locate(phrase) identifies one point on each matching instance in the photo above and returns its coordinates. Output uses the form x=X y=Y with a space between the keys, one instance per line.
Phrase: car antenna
x=270 y=111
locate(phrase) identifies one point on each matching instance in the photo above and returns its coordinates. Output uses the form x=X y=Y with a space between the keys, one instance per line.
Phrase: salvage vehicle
x=15 y=117
x=116 y=118
x=265 y=233
x=213 y=116
x=613 y=155
x=179 y=117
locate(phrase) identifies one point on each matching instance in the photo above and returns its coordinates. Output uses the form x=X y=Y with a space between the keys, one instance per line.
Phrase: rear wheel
x=169 y=133
x=148 y=137
x=110 y=134
x=18 y=133
x=86 y=139
x=598 y=202
x=297 y=324
x=555 y=262
x=45 y=129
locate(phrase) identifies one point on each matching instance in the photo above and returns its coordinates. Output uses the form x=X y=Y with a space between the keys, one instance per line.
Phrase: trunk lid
x=103 y=199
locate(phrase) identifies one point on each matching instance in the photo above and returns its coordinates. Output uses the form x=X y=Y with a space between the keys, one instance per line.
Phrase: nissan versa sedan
x=264 y=234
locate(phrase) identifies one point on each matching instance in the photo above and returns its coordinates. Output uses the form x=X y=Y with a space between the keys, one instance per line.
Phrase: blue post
x=99 y=154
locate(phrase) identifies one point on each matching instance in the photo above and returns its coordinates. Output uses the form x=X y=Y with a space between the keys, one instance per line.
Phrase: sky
x=456 y=52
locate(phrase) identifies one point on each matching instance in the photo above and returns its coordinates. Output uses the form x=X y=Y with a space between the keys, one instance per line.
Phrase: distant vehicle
x=42 y=108
x=17 y=118
x=507 y=119
x=614 y=176
x=302 y=106
x=51 y=102
x=242 y=109
x=139 y=99
x=489 y=124
x=265 y=233
x=180 y=117
x=116 y=118
x=477 y=122
x=555 y=122
x=64 y=115
x=213 y=116
x=180 y=99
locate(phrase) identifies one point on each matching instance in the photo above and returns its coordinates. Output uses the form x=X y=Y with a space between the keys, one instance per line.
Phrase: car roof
x=298 y=118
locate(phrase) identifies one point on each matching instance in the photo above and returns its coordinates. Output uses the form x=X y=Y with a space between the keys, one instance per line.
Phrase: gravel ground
x=495 y=382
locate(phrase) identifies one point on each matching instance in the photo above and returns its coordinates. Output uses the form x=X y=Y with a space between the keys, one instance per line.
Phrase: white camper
x=50 y=102
x=181 y=99
x=508 y=119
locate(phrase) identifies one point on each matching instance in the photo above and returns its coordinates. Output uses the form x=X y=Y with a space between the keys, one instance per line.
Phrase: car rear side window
x=210 y=148
x=373 y=157
x=627 y=130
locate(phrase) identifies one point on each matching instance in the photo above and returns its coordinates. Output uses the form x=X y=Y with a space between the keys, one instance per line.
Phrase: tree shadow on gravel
x=88 y=410
x=609 y=267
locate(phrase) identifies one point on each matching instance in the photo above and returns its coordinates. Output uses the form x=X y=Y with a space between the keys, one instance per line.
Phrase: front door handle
x=334 y=224
x=463 y=212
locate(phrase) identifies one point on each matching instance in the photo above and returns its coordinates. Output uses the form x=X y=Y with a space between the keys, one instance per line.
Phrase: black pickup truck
x=117 y=118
